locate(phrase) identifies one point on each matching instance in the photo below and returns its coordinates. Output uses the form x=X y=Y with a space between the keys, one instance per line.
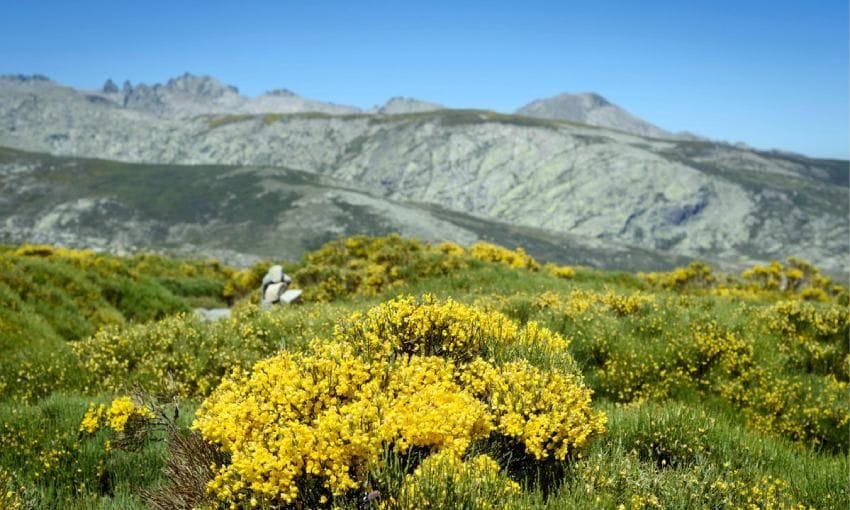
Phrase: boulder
x=273 y=291
x=273 y=275
x=290 y=296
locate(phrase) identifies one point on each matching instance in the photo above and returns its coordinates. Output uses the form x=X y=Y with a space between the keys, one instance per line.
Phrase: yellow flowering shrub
x=809 y=410
x=517 y=259
x=181 y=354
x=796 y=278
x=444 y=480
x=406 y=377
x=369 y=265
x=450 y=248
x=128 y=422
x=410 y=326
x=579 y=302
x=711 y=356
x=243 y=282
x=814 y=338
x=331 y=416
x=565 y=272
x=548 y=412
x=121 y=412
x=696 y=275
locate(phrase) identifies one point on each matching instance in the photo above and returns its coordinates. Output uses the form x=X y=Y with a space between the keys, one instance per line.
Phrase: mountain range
x=576 y=170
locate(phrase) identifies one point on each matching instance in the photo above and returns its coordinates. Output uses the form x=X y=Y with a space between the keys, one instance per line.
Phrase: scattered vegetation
x=417 y=375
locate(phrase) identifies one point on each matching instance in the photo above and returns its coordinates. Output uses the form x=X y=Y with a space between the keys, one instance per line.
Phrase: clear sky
x=773 y=74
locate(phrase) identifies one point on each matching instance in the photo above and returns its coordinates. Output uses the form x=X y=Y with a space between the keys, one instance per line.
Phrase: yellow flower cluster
x=797 y=277
x=565 y=272
x=450 y=248
x=548 y=412
x=813 y=337
x=243 y=282
x=444 y=480
x=370 y=265
x=709 y=358
x=132 y=267
x=696 y=275
x=766 y=492
x=330 y=416
x=180 y=354
x=579 y=302
x=409 y=326
x=406 y=375
x=517 y=259
x=808 y=410
x=121 y=411
x=10 y=494
x=45 y=250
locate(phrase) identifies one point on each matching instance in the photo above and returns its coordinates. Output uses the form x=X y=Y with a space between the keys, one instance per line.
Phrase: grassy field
x=416 y=376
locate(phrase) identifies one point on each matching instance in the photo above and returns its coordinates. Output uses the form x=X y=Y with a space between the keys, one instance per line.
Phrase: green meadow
x=414 y=375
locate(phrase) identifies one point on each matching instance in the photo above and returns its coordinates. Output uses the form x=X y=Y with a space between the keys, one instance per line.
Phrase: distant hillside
x=685 y=198
x=240 y=214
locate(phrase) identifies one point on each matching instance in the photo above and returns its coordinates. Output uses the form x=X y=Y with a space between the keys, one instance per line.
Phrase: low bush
x=313 y=426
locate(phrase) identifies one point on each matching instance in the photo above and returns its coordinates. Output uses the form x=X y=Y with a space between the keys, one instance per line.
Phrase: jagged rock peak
x=281 y=93
x=25 y=78
x=202 y=86
x=110 y=87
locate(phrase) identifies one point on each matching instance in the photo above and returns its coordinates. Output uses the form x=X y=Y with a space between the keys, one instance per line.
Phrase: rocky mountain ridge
x=190 y=95
x=686 y=198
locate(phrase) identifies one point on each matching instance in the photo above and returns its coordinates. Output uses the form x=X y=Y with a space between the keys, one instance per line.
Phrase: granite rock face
x=684 y=197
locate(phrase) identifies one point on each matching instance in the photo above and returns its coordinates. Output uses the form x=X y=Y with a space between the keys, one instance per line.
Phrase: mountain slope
x=241 y=213
x=695 y=199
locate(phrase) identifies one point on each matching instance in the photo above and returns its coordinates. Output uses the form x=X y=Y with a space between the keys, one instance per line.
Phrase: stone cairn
x=275 y=292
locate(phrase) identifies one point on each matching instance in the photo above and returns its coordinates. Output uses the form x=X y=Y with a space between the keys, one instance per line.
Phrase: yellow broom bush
x=407 y=377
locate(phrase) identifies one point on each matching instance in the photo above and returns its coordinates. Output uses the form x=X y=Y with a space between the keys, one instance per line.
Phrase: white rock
x=290 y=296
x=273 y=292
x=274 y=275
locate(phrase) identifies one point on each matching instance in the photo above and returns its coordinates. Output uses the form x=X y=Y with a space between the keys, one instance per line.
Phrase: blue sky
x=769 y=73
